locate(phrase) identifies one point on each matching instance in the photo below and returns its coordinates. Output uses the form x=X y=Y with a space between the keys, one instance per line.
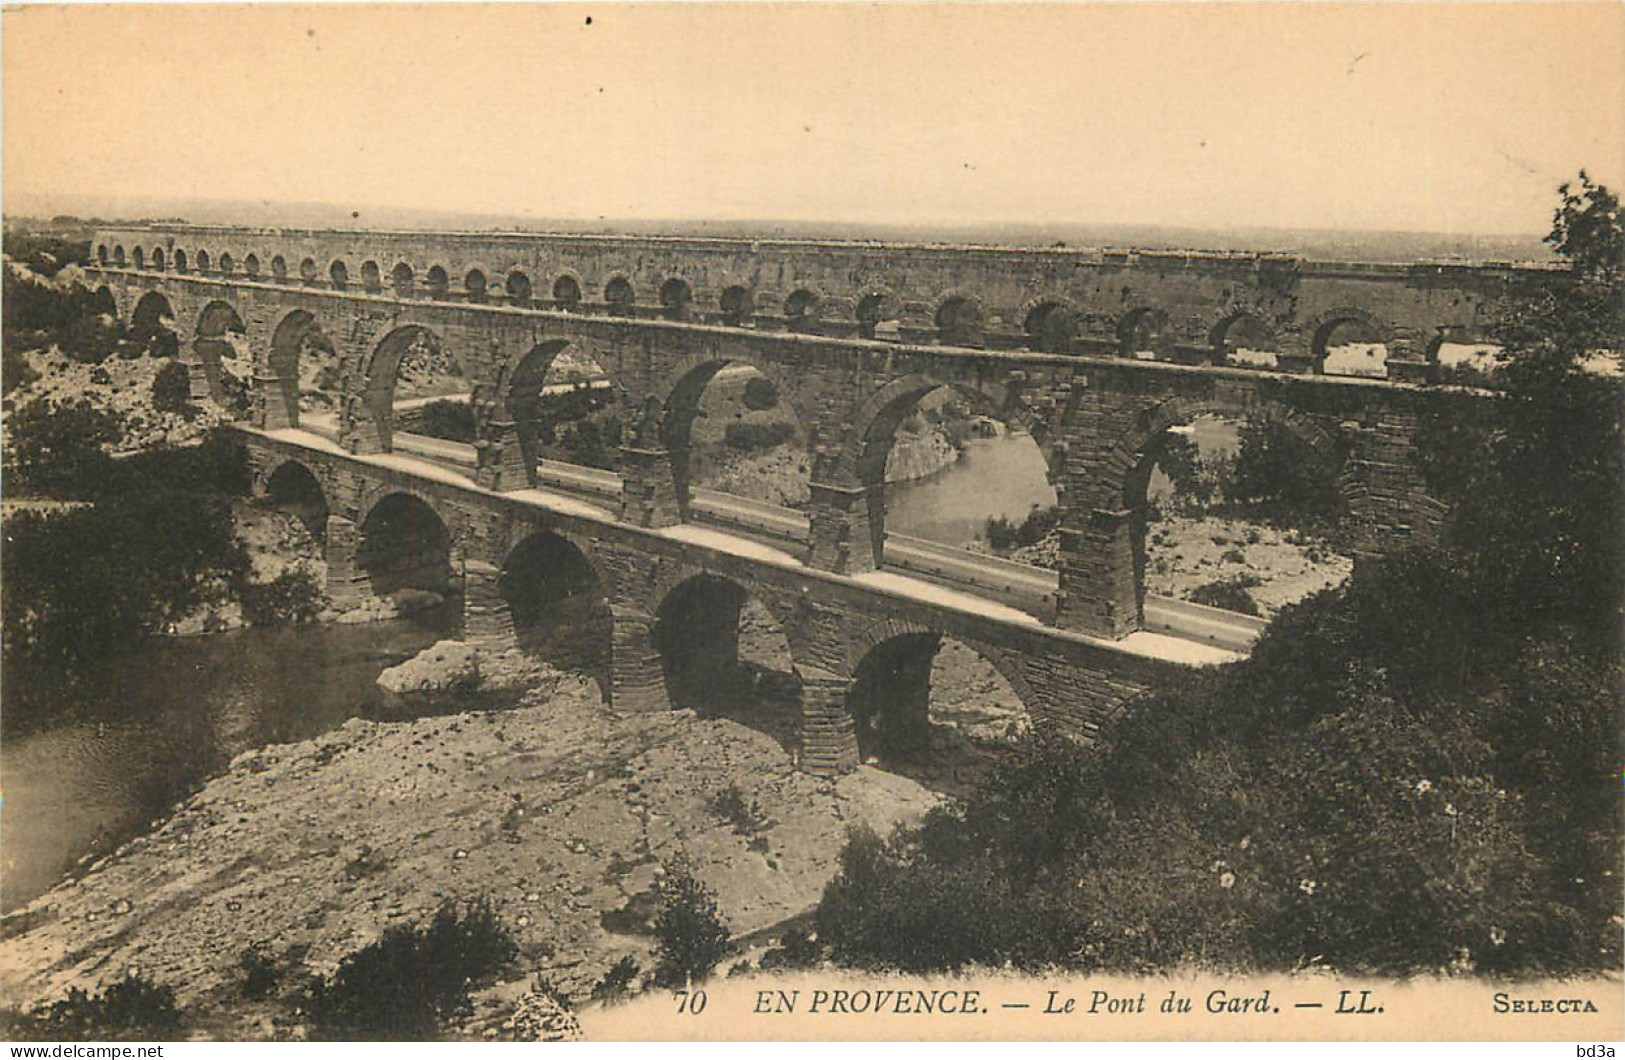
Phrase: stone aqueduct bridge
x=1095 y=353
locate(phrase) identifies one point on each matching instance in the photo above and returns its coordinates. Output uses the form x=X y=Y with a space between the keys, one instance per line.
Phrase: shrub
x=403 y=986
x=757 y=437
x=260 y=974
x=730 y=805
x=797 y=949
x=1230 y=594
x=132 y=1009
x=690 y=935
x=760 y=394
x=172 y=389
x=617 y=981
x=59 y=447
x=1002 y=534
x=451 y=420
x=292 y=597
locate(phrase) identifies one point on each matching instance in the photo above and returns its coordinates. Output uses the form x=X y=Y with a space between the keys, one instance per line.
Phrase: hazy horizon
x=1353 y=244
x=1453 y=120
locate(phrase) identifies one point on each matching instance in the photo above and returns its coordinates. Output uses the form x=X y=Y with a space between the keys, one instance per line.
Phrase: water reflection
x=172 y=714
x=1001 y=477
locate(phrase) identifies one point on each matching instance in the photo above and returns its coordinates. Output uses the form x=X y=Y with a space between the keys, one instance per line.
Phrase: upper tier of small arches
x=1248 y=317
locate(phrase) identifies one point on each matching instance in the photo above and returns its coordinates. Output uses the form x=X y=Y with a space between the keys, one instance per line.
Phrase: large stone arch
x=148 y=313
x=367 y=420
x=889 y=689
x=1319 y=330
x=280 y=383
x=883 y=407
x=550 y=598
x=866 y=638
x=859 y=466
x=217 y=320
x=1114 y=542
x=294 y=484
x=697 y=629
x=511 y=415
x=430 y=556
x=673 y=403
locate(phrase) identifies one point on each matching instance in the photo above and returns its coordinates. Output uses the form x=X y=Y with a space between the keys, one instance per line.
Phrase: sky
x=1459 y=118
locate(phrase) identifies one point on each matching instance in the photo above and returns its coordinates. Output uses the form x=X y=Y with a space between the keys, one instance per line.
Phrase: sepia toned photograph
x=801 y=521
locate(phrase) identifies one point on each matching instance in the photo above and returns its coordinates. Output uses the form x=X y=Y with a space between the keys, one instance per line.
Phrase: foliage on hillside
x=154 y=540
x=1416 y=771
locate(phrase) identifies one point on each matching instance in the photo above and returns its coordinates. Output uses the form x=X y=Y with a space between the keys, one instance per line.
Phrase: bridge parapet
x=1093 y=416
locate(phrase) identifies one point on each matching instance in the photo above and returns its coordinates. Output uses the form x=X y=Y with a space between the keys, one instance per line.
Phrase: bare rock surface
x=559 y=811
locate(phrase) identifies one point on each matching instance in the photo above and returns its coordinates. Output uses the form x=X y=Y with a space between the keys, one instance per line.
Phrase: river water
x=1001 y=477
x=184 y=709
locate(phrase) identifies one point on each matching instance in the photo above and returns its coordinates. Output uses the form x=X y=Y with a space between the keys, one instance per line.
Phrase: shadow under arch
x=559 y=605
x=293 y=487
x=403 y=550
x=723 y=653
x=933 y=707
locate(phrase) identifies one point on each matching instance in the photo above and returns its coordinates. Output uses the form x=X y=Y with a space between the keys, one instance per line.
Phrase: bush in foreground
x=690 y=934
x=132 y=1009
x=407 y=984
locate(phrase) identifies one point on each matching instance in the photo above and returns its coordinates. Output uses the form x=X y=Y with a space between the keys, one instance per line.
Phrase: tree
x=60 y=447
x=691 y=935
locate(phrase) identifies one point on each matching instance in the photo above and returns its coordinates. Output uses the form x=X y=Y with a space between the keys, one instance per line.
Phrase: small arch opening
x=401 y=280
x=1050 y=328
x=619 y=297
x=338 y=275
x=158 y=260
x=876 y=317
x=308 y=271
x=801 y=311
x=140 y=258
x=437 y=283
x=251 y=265
x=1351 y=346
x=518 y=288
x=675 y=296
x=1142 y=335
x=737 y=305
x=203 y=262
x=371 y=279
x=959 y=322
x=279 y=269
x=475 y=285
x=226 y=264
x=566 y=292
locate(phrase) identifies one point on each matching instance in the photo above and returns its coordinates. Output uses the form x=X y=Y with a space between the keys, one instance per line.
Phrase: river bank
x=558 y=811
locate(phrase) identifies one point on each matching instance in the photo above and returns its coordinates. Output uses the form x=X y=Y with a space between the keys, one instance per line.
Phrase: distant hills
x=1331 y=244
